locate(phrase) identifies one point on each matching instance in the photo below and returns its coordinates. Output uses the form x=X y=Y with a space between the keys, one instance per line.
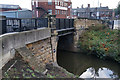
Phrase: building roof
x=19 y=11
x=8 y=6
x=92 y=9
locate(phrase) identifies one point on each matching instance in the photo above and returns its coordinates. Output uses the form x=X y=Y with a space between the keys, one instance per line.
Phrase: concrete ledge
x=11 y=41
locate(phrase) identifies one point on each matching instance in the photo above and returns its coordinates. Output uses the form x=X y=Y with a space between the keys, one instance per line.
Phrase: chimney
x=100 y=4
x=82 y=6
x=88 y=5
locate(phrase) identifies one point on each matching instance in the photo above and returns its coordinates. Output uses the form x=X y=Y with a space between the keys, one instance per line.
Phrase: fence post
x=64 y=23
x=59 y=23
x=3 y=25
x=35 y=24
x=20 y=25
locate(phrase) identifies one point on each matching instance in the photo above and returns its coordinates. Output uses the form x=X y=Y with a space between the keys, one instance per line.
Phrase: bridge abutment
x=36 y=46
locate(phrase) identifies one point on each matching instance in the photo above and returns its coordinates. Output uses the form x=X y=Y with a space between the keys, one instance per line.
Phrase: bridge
x=37 y=39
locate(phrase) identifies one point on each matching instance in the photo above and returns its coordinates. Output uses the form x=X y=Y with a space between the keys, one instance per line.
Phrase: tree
x=117 y=10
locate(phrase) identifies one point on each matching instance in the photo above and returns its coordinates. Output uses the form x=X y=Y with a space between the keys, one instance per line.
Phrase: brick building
x=93 y=13
x=60 y=8
x=7 y=7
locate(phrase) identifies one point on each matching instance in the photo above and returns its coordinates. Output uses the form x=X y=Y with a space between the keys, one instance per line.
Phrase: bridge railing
x=18 y=25
x=64 y=23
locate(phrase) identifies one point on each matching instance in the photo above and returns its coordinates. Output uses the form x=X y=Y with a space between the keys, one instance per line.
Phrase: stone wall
x=38 y=54
x=12 y=41
x=85 y=23
x=54 y=42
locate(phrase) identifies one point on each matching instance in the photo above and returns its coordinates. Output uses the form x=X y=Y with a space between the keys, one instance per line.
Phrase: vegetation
x=101 y=41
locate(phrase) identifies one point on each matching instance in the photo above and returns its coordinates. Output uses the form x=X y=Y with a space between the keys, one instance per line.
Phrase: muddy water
x=88 y=66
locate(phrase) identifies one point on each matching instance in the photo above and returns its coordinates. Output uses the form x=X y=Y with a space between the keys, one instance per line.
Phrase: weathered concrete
x=12 y=41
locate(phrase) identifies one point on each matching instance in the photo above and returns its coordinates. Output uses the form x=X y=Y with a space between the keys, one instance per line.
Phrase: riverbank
x=101 y=41
x=18 y=68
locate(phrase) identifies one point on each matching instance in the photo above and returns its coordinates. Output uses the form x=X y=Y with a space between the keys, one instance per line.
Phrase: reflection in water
x=88 y=66
x=101 y=73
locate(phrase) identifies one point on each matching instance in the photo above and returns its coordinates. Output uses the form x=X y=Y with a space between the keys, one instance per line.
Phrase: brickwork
x=44 y=7
x=38 y=54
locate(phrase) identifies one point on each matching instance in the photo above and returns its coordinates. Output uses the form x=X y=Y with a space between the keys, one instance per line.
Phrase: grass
x=101 y=41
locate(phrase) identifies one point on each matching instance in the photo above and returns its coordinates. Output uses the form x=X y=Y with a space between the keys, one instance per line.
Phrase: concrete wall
x=12 y=41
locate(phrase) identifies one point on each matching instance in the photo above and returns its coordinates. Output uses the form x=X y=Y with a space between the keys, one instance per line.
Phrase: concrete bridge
x=39 y=45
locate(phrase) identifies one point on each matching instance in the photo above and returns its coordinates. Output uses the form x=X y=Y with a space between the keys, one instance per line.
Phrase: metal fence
x=18 y=25
x=64 y=23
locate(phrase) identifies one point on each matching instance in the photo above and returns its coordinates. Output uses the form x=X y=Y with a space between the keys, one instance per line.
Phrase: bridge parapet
x=11 y=41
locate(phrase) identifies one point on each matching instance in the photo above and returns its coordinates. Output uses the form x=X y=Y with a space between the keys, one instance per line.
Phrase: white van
x=116 y=24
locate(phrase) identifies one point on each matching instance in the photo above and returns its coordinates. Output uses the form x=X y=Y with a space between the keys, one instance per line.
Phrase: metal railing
x=64 y=23
x=18 y=25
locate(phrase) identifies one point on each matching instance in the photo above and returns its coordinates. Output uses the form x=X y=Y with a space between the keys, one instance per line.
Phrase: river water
x=87 y=66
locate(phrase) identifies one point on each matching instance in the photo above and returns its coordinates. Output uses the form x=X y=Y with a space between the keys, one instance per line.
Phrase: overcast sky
x=75 y=3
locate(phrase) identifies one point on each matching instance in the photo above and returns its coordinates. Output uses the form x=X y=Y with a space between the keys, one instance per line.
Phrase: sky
x=75 y=3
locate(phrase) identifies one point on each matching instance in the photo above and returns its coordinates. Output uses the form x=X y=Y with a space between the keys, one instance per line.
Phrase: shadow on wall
x=66 y=42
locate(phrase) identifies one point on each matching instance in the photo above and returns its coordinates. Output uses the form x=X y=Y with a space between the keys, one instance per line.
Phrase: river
x=87 y=66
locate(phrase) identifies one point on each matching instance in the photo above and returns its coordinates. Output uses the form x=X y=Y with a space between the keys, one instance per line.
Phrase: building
x=7 y=7
x=93 y=13
x=14 y=11
x=60 y=8
x=17 y=14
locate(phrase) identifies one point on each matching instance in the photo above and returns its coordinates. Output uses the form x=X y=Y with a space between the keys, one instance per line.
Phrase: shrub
x=101 y=41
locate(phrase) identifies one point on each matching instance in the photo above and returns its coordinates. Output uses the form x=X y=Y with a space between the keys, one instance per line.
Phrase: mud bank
x=18 y=68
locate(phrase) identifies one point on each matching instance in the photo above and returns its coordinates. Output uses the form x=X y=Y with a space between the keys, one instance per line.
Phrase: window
x=32 y=2
x=61 y=3
x=55 y=11
x=75 y=10
x=49 y=2
x=50 y=11
x=58 y=12
x=56 y=2
x=65 y=12
x=62 y=12
x=33 y=12
x=65 y=4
